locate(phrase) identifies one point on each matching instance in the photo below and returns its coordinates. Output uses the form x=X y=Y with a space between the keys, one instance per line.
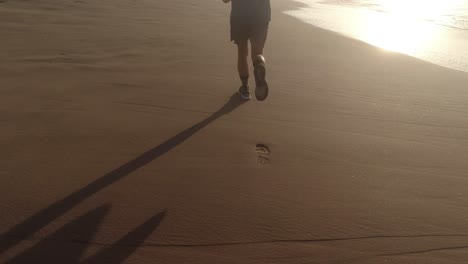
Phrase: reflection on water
x=396 y=33
x=412 y=27
x=405 y=26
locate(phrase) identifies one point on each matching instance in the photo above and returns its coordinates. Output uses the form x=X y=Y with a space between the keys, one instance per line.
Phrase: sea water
x=432 y=30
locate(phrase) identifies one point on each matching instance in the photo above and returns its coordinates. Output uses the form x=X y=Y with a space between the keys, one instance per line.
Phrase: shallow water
x=435 y=31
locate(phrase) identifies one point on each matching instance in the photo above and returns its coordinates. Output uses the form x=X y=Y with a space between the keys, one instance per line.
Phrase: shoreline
x=447 y=42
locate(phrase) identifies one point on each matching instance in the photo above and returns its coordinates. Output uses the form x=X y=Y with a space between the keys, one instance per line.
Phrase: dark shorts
x=253 y=31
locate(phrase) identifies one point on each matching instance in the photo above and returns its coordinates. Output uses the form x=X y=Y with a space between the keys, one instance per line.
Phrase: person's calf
x=261 y=88
x=243 y=67
x=242 y=63
x=259 y=70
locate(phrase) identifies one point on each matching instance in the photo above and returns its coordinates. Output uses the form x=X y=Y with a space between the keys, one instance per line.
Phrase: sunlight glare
x=403 y=25
x=397 y=34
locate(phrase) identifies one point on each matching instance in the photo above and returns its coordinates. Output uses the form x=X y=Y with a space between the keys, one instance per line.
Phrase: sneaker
x=244 y=92
x=261 y=89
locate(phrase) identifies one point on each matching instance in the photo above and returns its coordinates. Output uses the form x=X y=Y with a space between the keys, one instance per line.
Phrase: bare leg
x=243 y=68
x=242 y=63
x=257 y=43
x=257 y=53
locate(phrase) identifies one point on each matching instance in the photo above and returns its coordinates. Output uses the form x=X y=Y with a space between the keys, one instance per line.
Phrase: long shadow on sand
x=43 y=217
x=68 y=244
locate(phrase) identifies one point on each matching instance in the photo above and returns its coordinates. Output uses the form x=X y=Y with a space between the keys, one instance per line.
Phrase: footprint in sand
x=263 y=154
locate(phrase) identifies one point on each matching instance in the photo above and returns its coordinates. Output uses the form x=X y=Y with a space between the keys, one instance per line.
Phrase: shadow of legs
x=68 y=244
x=58 y=248
x=40 y=219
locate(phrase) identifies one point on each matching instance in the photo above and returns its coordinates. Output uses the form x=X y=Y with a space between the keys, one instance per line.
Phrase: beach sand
x=123 y=141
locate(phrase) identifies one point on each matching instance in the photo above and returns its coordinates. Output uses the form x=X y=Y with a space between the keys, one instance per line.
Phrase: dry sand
x=121 y=143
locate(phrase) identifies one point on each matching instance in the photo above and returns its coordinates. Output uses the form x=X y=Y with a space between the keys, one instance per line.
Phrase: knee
x=256 y=56
x=243 y=51
x=255 y=51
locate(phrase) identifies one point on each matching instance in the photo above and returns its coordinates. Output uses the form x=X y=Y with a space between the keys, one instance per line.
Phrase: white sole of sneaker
x=261 y=92
x=245 y=97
